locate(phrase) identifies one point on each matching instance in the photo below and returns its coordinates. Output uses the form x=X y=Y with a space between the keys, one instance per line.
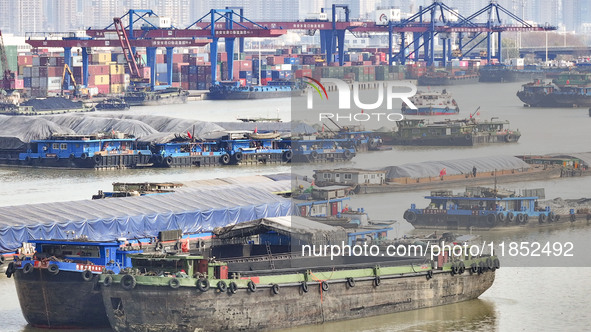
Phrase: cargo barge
x=482 y=208
x=505 y=74
x=273 y=89
x=466 y=132
x=169 y=95
x=446 y=78
x=180 y=293
x=83 y=151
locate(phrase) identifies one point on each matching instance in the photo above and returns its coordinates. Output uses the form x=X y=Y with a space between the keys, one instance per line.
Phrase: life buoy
x=313 y=155
x=53 y=269
x=324 y=286
x=275 y=289
x=252 y=286
x=83 y=156
x=168 y=161
x=351 y=282
x=508 y=138
x=502 y=217
x=222 y=286
x=28 y=268
x=411 y=216
x=304 y=286
x=203 y=284
x=225 y=159
x=97 y=159
x=174 y=283
x=128 y=282
x=233 y=287
x=377 y=281
x=108 y=281
x=287 y=155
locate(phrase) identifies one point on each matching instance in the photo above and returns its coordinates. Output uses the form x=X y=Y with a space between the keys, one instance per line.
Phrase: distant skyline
x=21 y=16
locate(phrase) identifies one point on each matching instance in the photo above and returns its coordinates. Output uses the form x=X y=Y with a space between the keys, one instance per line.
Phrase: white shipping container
x=383 y=16
x=517 y=62
x=36 y=61
x=77 y=61
x=285 y=67
x=93 y=91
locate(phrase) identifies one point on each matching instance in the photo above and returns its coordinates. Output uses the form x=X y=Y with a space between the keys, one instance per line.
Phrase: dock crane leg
x=151 y=57
x=84 y=66
x=213 y=54
x=67 y=61
x=230 y=52
x=341 y=45
x=169 y=62
x=499 y=47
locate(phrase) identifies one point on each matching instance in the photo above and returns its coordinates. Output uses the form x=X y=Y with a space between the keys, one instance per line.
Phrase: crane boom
x=134 y=69
x=7 y=75
x=69 y=71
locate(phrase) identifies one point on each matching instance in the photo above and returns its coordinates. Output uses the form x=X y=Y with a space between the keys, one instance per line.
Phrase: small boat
x=432 y=103
x=169 y=95
x=233 y=91
x=310 y=149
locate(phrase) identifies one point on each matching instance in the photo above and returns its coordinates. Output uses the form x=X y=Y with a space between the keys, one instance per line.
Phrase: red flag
x=361 y=111
x=478 y=113
x=188 y=133
x=255 y=130
x=323 y=127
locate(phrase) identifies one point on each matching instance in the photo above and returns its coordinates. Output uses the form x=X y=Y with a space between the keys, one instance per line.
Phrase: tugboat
x=86 y=151
x=446 y=78
x=480 y=208
x=194 y=287
x=230 y=90
x=466 y=132
x=169 y=95
x=432 y=103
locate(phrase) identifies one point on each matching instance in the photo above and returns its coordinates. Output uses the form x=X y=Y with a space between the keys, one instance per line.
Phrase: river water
x=535 y=297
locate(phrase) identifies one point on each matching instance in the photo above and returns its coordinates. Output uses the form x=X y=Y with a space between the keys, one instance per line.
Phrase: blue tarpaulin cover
x=193 y=210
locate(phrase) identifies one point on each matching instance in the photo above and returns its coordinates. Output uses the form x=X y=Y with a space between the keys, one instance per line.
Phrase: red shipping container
x=222 y=57
x=117 y=79
x=160 y=58
x=104 y=89
x=55 y=71
x=23 y=60
x=185 y=85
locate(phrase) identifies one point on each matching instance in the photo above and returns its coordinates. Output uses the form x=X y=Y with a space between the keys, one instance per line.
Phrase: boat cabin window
x=61 y=250
x=348 y=176
x=55 y=146
x=63 y=146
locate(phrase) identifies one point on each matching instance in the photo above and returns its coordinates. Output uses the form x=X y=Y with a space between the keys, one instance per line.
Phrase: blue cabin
x=254 y=148
x=79 y=256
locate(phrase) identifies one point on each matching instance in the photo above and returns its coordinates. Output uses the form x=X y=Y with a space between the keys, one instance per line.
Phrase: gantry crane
x=7 y=75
